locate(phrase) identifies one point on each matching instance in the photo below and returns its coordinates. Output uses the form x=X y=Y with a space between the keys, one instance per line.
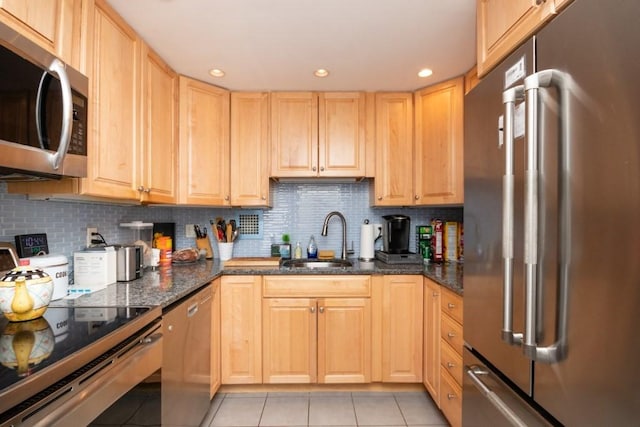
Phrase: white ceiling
x=372 y=45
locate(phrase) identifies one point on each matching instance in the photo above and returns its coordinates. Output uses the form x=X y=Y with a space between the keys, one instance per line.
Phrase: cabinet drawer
x=451 y=333
x=316 y=286
x=451 y=361
x=452 y=305
x=450 y=399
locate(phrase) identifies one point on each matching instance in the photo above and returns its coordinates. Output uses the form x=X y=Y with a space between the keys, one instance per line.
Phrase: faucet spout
x=325 y=227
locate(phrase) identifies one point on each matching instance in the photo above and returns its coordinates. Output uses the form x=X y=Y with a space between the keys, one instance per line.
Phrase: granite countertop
x=164 y=287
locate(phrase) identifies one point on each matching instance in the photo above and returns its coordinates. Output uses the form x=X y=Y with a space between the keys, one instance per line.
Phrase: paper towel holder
x=367 y=241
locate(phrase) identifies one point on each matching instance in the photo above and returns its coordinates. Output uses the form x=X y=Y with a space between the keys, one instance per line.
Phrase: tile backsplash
x=298 y=209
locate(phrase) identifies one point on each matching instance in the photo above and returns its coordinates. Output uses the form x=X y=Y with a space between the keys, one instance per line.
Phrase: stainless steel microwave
x=43 y=113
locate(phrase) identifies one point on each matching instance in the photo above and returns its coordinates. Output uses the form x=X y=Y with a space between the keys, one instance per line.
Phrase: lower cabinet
x=316 y=329
x=215 y=381
x=443 y=343
x=241 y=329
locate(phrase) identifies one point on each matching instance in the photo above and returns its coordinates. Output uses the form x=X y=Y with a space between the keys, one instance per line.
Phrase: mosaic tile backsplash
x=298 y=209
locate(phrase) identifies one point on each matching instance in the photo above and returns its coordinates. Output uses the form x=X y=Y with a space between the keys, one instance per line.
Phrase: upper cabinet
x=249 y=149
x=159 y=130
x=394 y=150
x=53 y=24
x=504 y=24
x=204 y=144
x=438 y=155
x=318 y=135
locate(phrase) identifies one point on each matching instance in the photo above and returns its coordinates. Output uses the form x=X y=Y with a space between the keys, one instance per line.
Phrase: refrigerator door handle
x=509 y=99
x=563 y=83
x=475 y=372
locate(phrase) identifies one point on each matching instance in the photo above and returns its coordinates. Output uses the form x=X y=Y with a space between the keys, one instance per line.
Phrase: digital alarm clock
x=29 y=245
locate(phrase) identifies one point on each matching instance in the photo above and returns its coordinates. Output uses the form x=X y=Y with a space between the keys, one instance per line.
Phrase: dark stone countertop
x=164 y=287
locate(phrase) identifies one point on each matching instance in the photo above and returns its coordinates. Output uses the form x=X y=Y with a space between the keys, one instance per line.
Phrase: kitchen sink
x=317 y=263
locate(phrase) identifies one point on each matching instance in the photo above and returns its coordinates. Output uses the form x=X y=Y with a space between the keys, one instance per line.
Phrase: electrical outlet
x=90 y=230
x=189 y=231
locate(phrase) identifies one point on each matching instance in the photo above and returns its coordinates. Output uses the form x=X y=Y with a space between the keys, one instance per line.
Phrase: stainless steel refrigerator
x=552 y=226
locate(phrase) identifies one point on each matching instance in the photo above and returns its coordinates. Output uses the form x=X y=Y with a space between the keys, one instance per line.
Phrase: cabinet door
x=204 y=144
x=114 y=116
x=158 y=165
x=344 y=340
x=249 y=149
x=52 y=24
x=432 y=295
x=289 y=340
x=503 y=24
x=394 y=150
x=241 y=334
x=294 y=134
x=402 y=329
x=215 y=338
x=438 y=167
x=341 y=133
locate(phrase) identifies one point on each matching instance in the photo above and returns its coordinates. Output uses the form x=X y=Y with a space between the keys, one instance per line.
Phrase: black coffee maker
x=395 y=234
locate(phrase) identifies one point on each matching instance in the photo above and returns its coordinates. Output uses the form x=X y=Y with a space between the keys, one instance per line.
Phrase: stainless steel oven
x=43 y=112
x=69 y=366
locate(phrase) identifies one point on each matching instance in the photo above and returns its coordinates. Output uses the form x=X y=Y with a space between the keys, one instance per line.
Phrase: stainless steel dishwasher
x=186 y=366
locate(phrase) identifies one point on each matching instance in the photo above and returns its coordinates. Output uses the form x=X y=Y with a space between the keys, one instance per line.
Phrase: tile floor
x=324 y=409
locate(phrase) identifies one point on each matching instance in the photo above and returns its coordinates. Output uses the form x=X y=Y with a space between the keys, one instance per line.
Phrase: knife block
x=205 y=243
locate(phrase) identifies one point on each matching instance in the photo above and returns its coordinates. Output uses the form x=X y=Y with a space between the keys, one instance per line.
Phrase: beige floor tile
x=419 y=410
x=331 y=411
x=239 y=412
x=377 y=411
x=285 y=411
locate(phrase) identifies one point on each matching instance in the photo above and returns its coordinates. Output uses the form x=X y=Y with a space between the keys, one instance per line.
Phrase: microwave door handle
x=57 y=68
x=558 y=350
x=509 y=98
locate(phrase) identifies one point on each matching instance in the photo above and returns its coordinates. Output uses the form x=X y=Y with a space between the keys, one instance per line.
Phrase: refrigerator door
x=484 y=162
x=490 y=402
x=595 y=380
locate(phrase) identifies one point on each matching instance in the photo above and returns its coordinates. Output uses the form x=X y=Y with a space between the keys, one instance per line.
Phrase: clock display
x=31 y=244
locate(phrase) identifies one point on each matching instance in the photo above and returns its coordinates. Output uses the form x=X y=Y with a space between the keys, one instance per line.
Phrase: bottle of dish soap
x=312 y=249
x=297 y=253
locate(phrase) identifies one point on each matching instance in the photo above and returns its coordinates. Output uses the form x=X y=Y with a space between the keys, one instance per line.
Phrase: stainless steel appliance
x=552 y=195
x=395 y=234
x=128 y=262
x=72 y=380
x=43 y=106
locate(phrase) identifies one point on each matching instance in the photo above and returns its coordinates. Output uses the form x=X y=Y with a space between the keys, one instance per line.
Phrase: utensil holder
x=225 y=250
x=205 y=243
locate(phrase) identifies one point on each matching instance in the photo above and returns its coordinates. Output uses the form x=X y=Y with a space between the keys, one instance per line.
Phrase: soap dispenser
x=312 y=249
x=297 y=253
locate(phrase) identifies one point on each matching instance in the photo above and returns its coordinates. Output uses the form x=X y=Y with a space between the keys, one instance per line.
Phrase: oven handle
x=475 y=372
x=88 y=397
x=57 y=68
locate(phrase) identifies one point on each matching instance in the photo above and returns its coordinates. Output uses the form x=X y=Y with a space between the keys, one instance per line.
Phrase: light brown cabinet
x=241 y=329
x=249 y=149
x=215 y=382
x=438 y=155
x=53 y=24
x=451 y=356
x=402 y=328
x=316 y=329
x=393 y=182
x=503 y=24
x=204 y=144
x=431 y=369
x=318 y=134
x=158 y=164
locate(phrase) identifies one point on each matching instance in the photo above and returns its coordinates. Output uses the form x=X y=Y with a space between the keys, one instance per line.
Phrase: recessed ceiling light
x=425 y=72
x=216 y=72
x=321 y=72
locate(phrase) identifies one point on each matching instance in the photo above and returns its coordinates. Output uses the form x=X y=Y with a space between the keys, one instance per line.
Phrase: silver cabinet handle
x=475 y=372
x=57 y=68
x=312 y=309
x=313 y=168
x=451 y=334
x=321 y=309
x=321 y=168
x=451 y=396
x=562 y=82
x=509 y=99
x=451 y=306
x=450 y=365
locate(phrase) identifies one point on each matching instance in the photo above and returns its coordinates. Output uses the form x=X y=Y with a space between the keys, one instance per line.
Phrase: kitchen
x=70 y=235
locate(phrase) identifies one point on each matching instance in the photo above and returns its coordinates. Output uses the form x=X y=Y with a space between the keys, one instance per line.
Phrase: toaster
x=129 y=264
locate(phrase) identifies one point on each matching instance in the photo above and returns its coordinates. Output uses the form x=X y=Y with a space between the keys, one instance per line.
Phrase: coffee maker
x=395 y=241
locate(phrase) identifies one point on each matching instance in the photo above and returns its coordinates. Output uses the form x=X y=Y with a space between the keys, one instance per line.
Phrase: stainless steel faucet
x=344 y=230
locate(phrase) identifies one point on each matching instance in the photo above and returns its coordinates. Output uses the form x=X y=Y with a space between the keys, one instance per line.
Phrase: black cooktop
x=45 y=346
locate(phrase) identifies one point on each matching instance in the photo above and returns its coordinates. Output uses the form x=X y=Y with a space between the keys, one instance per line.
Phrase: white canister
x=56 y=266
